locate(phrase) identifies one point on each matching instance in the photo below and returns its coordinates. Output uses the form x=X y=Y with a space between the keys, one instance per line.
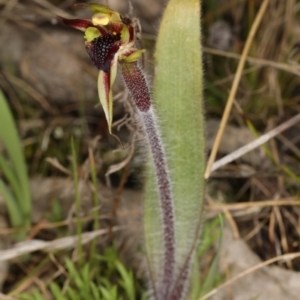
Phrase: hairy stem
x=140 y=93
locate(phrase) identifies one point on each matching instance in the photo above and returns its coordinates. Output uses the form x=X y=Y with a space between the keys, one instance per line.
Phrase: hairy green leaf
x=178 y=103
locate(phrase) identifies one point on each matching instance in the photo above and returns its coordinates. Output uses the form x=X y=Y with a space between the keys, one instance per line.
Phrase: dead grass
x=262 y=84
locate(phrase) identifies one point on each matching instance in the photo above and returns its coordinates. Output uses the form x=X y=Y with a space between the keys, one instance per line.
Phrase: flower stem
x=141 y=96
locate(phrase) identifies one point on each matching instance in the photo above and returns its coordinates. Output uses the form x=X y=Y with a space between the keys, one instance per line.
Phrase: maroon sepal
x=80 y=24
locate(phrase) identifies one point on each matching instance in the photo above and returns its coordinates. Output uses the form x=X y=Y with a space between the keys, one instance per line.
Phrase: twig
x=58 y=244
x=256 y=143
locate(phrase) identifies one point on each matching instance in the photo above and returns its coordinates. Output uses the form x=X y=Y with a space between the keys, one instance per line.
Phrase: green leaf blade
x=10 y=139
x=179 y=106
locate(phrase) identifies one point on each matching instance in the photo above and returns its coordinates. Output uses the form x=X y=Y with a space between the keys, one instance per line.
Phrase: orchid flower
x=109 y=39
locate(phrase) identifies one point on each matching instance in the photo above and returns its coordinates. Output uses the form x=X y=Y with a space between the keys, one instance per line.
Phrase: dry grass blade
x=293 y=69
x=55 y=163
x=256 y=143
x=291 y=201
x=285 y=257
x=31 y=91
x=117 y=167
x=234 y=87
x=58 y=244
x=54 y=9
x=289 y=145
x=284 y=242
x=4 y=297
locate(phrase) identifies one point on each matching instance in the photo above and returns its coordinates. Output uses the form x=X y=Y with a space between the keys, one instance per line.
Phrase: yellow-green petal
x=100 y=19
x=91 y=33
x=133 y=56
x=125 y=35
x=115 y=18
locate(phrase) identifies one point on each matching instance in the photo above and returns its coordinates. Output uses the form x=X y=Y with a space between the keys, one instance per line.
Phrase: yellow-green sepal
x=100 y=8
x=105 y=96
x=105 y=83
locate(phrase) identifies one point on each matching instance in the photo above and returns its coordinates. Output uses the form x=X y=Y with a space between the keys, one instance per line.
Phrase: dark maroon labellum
x=102 y=50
